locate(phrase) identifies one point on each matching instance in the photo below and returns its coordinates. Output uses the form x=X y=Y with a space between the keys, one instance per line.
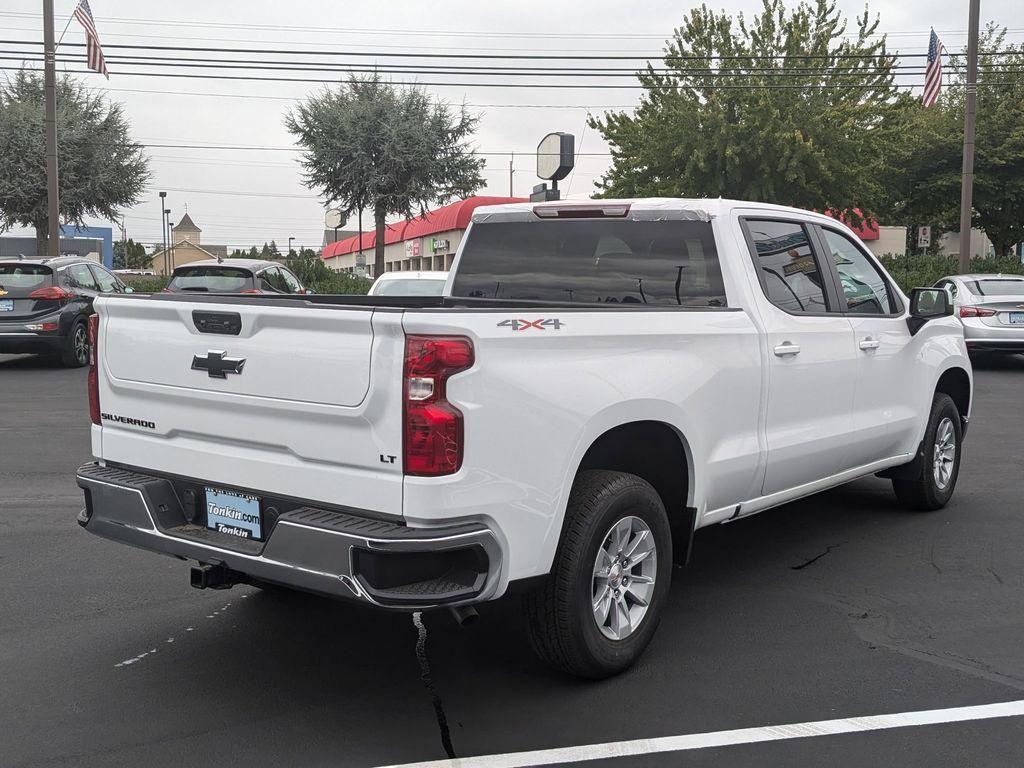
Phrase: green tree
x=784 y=108
x=130 y=255
x=927 y=168
x=371 y=145
x=101 y=170
x=253 y=253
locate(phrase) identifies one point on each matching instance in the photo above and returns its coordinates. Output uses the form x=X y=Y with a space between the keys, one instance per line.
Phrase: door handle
x=868 y=343
x=786 y=348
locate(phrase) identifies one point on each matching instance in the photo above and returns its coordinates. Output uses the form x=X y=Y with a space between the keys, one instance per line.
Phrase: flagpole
x=967 y=179
x=50 y=88
x=61 y=38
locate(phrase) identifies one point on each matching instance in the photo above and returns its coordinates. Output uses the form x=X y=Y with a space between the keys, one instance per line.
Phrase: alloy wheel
x=945 y=453
x=625 y=570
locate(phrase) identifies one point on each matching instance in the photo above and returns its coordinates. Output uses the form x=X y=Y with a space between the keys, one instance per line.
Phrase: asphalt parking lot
x=838 y=606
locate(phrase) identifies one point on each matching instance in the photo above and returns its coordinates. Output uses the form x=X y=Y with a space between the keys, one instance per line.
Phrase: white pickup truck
x=599 y=381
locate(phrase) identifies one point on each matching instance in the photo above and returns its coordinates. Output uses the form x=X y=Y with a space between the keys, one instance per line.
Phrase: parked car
x=603 y=379
x=45 y=305
x=234 y=276
x=409 y=284
x=991 y=308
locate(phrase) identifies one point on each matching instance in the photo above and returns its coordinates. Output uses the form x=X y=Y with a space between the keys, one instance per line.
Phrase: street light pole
x=170 y=242
x=50 y=87
x=163 y=228
x=967 y=177
x=290 y=246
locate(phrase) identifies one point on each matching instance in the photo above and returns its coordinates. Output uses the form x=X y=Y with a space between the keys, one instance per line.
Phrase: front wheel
x=603 y=600
x=933 y=488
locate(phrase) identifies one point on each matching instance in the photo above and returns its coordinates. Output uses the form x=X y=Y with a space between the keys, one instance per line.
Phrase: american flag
x=932 y=73
x=93 y=50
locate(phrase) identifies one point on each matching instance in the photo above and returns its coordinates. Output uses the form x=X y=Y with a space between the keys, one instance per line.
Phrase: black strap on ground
x=428 y=682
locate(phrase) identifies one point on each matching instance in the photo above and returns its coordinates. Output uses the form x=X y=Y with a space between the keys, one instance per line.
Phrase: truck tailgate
x=282 y=397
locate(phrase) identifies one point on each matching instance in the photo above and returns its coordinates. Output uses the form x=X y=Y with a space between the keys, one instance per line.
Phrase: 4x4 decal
x=524 y=325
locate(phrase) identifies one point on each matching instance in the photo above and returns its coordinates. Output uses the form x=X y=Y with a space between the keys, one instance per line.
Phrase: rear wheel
x=934 y=486
x=76 y=347
x=602 y=603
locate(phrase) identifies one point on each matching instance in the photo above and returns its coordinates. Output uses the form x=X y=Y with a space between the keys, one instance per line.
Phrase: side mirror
x=927 y=304
x=129 y=289
x=310 y=292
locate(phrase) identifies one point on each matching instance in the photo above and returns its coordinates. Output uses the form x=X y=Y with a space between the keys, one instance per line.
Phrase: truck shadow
x=729 y=594
x=30 y=363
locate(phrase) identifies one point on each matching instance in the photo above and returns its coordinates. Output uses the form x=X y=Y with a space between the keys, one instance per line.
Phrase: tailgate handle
x=226 y=323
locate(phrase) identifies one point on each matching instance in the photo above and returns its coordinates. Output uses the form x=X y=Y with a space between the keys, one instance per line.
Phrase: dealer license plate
x=1017 y=318
x=6 y=305
x=236 y=514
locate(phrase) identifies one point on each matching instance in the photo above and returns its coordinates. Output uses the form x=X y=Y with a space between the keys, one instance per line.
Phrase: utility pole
x=50 y=87
x=510 y=161
x=970 y=102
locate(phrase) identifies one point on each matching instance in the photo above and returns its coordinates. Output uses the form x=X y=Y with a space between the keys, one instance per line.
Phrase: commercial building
x=186 y=247
x=425 y=243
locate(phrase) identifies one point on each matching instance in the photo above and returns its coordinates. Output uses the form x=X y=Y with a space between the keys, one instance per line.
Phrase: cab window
x=865 y=290
x=107 y=282
x=293 y=284
x=787 y=267
x=272 y=280
x=80 y=276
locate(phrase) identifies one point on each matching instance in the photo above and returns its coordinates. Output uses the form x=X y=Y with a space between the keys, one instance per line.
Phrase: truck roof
x=687 y=208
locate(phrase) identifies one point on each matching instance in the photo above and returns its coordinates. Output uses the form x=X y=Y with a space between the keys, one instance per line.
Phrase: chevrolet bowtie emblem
x=217 y=364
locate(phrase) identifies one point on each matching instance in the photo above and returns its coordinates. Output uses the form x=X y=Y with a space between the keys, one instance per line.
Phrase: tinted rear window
x=19 y=280
x=995 y=287
x=593 y=261
x=211 y=279
x=409 y=287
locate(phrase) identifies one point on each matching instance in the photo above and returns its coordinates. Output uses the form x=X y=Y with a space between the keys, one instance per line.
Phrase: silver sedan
x=991 y=308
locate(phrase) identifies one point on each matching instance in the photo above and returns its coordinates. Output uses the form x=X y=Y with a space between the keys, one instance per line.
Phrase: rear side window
x=410 y=286
x=211 y=279
x=593 y=261
x=788 y=270
x=17 y=281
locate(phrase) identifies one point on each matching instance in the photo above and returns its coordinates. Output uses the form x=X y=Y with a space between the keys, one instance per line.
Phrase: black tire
x=562 y=628
x=74 y=354
x=926 y=492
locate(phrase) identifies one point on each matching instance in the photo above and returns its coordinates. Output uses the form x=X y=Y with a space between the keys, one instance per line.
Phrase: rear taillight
x=252 y=290
x=51 y=292
x=94 y=377
x=433 y=431
x=976 y=312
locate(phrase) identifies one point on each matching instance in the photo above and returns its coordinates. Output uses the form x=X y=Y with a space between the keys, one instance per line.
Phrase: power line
x=420 y=83
x=426 y=32
x=539 y=57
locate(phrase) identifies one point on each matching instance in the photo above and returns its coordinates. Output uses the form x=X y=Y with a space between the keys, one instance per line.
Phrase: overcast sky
x=241 y=197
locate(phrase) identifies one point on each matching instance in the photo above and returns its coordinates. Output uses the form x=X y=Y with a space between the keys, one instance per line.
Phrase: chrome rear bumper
x=316 y=550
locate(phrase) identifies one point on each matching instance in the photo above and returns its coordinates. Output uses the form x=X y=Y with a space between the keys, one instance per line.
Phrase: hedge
x=919 y=271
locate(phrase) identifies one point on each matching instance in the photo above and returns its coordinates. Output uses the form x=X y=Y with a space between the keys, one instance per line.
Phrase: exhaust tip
x=464 y=615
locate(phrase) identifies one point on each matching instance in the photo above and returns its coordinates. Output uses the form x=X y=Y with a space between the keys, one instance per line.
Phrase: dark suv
x=45 y=303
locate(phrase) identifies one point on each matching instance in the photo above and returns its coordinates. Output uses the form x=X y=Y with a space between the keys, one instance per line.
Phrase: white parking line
x=728 y=738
